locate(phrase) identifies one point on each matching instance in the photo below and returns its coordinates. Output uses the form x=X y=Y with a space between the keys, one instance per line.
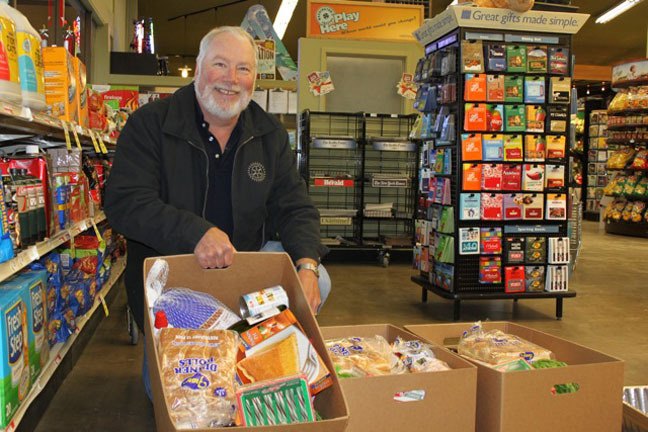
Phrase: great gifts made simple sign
x=357 y=20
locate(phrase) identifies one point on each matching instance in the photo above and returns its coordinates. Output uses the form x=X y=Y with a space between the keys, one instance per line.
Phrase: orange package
x=472 y=177
x=475 y=117
x=471 y=147
x=475 y=89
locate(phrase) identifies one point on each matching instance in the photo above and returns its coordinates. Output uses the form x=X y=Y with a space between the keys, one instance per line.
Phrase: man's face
x=225 y=77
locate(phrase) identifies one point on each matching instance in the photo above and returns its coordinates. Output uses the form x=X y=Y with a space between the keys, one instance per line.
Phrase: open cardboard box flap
x=249 y=272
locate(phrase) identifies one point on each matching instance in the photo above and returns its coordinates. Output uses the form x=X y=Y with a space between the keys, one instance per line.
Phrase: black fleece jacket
x=156 y=192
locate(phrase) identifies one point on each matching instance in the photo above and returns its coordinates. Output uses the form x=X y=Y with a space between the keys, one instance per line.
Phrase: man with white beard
x=206 y=171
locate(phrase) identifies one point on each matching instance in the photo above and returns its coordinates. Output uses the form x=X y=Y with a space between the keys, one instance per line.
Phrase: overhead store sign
x=499 y=19
x=356 y=20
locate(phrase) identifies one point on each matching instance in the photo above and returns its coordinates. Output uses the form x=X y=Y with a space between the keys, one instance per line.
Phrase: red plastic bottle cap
x=161 y=320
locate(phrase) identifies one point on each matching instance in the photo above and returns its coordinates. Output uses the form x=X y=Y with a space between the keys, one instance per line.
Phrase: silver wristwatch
x=308 y=266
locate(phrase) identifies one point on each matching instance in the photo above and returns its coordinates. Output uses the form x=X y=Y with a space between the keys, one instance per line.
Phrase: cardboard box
x=449 y=395
x=82 y=93
x=61 y=84
x=523 y=400
x=250 y=271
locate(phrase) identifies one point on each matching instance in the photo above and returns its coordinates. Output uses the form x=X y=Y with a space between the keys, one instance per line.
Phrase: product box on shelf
x=14 y=377
x=524 y=400
x=82 y=94
x=112 y=105
x=61 y=84
x=33 y=287
x=376 y=403
x=249 y=272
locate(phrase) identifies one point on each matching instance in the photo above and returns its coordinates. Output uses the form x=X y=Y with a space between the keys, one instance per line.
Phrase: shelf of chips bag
x=22 y=119
x=60 y=350
x=35 y=252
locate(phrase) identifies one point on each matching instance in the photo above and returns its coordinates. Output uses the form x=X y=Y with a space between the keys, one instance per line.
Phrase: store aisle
x=104 y=393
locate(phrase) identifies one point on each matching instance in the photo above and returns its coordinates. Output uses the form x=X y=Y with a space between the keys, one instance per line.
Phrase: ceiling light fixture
x=283 y=17
x=184 y=71
x=617 y=10
x=603 y=86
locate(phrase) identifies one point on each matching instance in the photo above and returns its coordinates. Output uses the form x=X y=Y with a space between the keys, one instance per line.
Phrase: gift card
x=558 y=115
x=534 y=89
x=513 y=148
x=469 y=206
x=494 y=116
x=559 y=90
x=492 y=177
x=533 y=178
x=490 y=270
x=535 y=118
x=514 y=279
x=515 y=118
x=496 y=55
x=537 y=59
x=492 y=147
x=472 y=56
x=491 y=241
x=516 y=60
x=472 y=177
x=559 y=60
x=536 y=250
x=513 y=206
x=555 y=176
x=535 y=147
x=475 y=88
x=471 y=147
x=495 y=88
x=556 y=146
x=468 y=241
x=513 y=88
x=556 y=207
x=514 y=250
x=475 y=117
x=491 y=206
x=533 y=207
x=558 y=250
x=534 y=278
x=557 y=278
x=512 y=177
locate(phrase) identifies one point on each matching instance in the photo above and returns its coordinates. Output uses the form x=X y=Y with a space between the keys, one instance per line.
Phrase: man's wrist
x=308 y=266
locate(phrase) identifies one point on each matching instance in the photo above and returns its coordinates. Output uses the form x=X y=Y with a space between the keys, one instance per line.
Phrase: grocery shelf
x=35 y=252
x=21 y=119
x=60 y=350
x=458 y=297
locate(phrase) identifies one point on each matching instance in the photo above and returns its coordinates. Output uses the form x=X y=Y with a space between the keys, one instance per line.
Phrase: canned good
x=260 y=301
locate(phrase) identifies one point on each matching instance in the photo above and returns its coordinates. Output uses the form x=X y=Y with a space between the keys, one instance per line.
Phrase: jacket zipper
x=204 y=152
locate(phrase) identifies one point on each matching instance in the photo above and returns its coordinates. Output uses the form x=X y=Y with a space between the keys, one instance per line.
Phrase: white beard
x=223 y=111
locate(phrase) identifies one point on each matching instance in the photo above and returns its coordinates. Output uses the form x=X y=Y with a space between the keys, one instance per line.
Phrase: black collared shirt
x=221 y=165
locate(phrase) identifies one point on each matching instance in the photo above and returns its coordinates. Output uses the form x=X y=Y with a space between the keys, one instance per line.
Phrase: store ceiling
x=596 y=44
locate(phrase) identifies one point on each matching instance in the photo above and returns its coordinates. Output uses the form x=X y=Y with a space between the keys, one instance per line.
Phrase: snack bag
x=638 y=209
x=640 y=161
x=626 y=214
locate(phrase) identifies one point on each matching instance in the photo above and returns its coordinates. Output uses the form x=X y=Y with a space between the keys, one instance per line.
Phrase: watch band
x=309 y=266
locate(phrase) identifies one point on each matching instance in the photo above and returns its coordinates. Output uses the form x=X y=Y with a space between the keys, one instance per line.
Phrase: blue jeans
x=324 y=281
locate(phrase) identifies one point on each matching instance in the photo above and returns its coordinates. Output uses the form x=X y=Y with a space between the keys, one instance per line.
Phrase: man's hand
x=310 y=284
x=214 y=250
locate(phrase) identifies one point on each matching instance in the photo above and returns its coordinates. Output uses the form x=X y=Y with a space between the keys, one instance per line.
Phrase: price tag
x=96 y=230
x=95 y=143
x=26 y=113
x=104 y=150
x=76 y=137
x=66 y=132
x=103 y=303
x=33 y=254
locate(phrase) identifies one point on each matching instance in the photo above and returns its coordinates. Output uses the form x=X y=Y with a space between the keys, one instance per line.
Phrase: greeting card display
x=515 y=118
x=495 y=88
x=559 y=60
x=513 y=88
x=513 y=148
x=533 y=207
x=516 y=60
x=475 y=88
x=536 y=250
x=496 y=58
x=492 y=177
x=537 y=59
x=491 y=206
x=556 y=207
x=514 y=279
x=556 y=147
x=468 y=241
x=514 y=248
x=535 y=147
x=555 y=175
x=534 y=278
x=535 y=118
x=472 y=56
x=472 y=177
x=469 y=206
x=560 y=90
x=513 y=206
x=493 y=147
x=471 y=147
x=490 y=270
x=534 y=89
x=512 y=177
x=533 y=177
x=491 y=241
